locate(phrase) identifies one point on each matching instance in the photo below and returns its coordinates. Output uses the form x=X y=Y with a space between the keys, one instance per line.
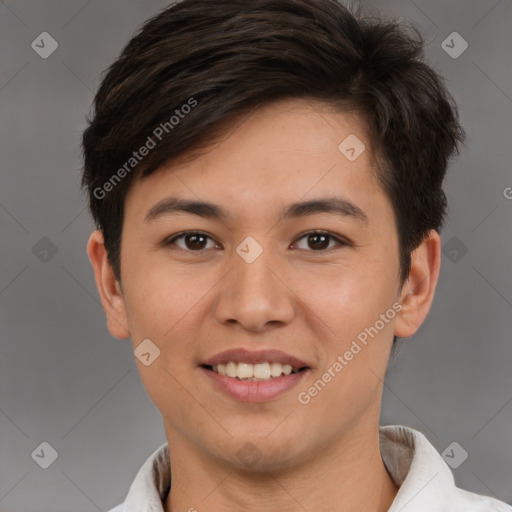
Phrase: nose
x=254 y=295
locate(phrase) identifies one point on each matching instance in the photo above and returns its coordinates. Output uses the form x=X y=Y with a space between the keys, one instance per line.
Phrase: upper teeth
x=259 y=371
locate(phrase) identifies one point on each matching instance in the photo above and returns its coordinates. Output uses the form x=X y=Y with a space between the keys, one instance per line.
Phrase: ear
x=418 y=290
x=109 y=288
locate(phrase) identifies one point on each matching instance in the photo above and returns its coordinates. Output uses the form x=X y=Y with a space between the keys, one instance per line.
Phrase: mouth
x=254 y=376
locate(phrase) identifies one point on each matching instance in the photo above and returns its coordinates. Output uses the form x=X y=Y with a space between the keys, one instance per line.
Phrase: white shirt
x=424 y=479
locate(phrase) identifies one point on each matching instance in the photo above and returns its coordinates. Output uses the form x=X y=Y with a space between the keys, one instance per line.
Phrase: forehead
x=291 y=130
x=276 y=154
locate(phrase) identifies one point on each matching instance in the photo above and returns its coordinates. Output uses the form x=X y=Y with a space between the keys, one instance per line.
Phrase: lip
x=254 y=391
x=242 y=355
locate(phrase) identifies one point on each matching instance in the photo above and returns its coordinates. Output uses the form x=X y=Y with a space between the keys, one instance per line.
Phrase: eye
x=193 y=241
x=320 y=240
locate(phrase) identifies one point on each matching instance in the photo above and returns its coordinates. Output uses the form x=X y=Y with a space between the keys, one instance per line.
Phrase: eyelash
x=342 y=243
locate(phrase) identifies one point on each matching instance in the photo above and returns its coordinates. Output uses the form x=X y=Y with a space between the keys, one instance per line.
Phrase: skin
x=312 y=303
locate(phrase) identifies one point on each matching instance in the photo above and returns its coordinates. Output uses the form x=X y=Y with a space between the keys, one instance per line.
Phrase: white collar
x=424 y=479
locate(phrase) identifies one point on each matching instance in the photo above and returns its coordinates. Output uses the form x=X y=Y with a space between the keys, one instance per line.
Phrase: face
x=294 y=262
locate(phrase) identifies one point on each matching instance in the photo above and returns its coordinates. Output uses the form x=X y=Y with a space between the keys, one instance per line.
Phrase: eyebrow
x=333 y=205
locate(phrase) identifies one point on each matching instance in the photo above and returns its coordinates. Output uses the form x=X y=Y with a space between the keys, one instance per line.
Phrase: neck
x=349 y=476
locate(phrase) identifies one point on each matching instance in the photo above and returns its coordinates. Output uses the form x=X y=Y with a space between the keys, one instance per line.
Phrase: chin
x=247 y=452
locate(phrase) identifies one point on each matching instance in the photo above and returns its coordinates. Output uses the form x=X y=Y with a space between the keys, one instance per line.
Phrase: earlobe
x=418 y=291
x=109 y=288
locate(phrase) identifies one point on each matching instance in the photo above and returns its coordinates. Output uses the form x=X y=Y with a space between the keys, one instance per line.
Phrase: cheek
x=349 y=297
x=161 y=298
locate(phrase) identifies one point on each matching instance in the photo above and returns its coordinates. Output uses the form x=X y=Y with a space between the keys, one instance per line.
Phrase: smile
x=255 y=376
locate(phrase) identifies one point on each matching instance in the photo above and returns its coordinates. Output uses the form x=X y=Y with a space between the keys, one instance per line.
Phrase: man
x=266 y=180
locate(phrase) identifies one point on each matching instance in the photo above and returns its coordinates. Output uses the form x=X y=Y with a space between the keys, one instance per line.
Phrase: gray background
x=66 y=381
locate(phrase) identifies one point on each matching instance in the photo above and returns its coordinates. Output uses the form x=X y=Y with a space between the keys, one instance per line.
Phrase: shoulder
x=425 y=481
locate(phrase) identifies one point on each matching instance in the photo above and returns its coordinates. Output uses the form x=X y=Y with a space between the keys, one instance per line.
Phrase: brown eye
x=191 y=241
x=319 y=241
x=195 y=242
